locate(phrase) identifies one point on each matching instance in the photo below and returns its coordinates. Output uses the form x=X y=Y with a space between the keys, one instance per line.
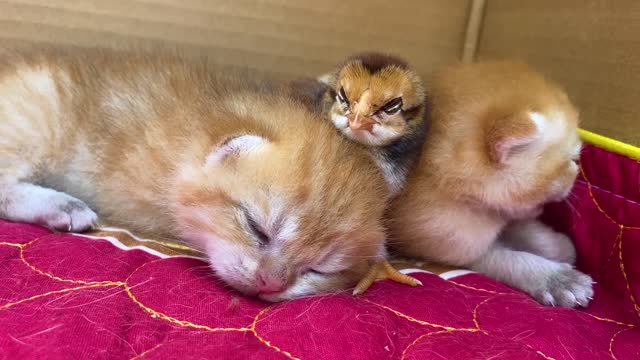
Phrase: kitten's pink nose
x=268 y=284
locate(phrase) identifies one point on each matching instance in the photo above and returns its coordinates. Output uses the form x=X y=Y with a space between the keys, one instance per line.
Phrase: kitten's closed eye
x=317 y=272
x=256 y=230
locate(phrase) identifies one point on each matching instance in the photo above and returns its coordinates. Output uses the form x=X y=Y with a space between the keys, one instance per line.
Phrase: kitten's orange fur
x=503 y=142
x=172 y=148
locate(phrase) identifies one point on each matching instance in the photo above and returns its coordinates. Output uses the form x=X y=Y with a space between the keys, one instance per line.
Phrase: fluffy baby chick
x=378 y=100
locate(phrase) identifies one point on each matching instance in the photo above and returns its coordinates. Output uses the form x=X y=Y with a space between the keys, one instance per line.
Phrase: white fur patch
x=394 y=179
x=289 y=229
x=233 y=263
x=41 y=81
x=576 y=149
x=539 y=119
x=227 y=255
x=385 y=133
x=552 y=126
x=325 y=78
x=239 y=145
x=340 y=121
x=275 y=221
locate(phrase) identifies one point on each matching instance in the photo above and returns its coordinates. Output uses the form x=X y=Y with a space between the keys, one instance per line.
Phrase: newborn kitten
x=379 y=101
x=282 y=206
x=503 y=142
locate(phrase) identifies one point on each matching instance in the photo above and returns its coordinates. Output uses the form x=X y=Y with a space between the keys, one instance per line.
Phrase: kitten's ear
x=512 y=134
x=235 y=146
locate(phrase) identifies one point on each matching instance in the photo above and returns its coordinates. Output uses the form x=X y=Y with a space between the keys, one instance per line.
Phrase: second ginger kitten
x=503 y=142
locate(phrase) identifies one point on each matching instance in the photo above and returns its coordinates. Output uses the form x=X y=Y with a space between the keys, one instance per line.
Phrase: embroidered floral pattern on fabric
x=65 y=296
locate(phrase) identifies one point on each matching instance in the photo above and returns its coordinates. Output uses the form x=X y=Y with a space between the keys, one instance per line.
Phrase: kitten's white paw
x=65 y=213
x=56 y=210
x=566 y=287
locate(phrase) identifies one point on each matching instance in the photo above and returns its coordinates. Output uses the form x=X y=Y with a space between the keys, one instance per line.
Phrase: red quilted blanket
x=71 y=297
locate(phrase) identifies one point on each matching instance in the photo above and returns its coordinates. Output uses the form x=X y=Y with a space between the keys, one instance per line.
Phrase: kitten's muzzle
x=359 y=122
x=267 y=283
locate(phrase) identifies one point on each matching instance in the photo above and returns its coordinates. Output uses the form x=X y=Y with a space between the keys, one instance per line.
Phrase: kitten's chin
x=308 y=284
x=233 y=265
x=523 y=213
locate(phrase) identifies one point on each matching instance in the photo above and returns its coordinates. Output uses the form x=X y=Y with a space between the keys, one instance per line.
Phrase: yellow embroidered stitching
x=613 y=339
x=624 y=273
x=607 y=319
x=51 y=276
x=54 y=292
x=622 y=228
x=593 y=198
x=477 y=289
x=404 y=352
x=144 y=353
x=267 y=343
x=184 y=323
x=475 y=313
x=603 y=267
x=540 y=353
x=12 y=244
x=412 y=319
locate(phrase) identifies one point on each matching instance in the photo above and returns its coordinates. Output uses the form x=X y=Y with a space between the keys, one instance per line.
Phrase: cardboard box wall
x=591 y=46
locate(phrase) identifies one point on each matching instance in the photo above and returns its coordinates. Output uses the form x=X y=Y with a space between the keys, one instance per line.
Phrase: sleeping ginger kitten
x=503 y=142
x=281 y=205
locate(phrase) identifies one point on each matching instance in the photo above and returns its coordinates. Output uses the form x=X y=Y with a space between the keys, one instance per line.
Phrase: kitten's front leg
x=535 y=237
x=548 y=281
x=25 y=202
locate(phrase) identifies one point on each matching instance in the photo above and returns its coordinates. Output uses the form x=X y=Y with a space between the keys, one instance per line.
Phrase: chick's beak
x=359 y=122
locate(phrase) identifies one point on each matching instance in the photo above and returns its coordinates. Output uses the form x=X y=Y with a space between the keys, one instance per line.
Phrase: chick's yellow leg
x=383 y=270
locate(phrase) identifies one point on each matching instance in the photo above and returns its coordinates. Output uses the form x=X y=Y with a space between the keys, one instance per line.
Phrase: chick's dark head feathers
x=375 y=99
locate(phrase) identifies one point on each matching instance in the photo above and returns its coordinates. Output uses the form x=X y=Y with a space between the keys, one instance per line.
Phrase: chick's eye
x=392 y=106
x=256 y=230
x=342 y=97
